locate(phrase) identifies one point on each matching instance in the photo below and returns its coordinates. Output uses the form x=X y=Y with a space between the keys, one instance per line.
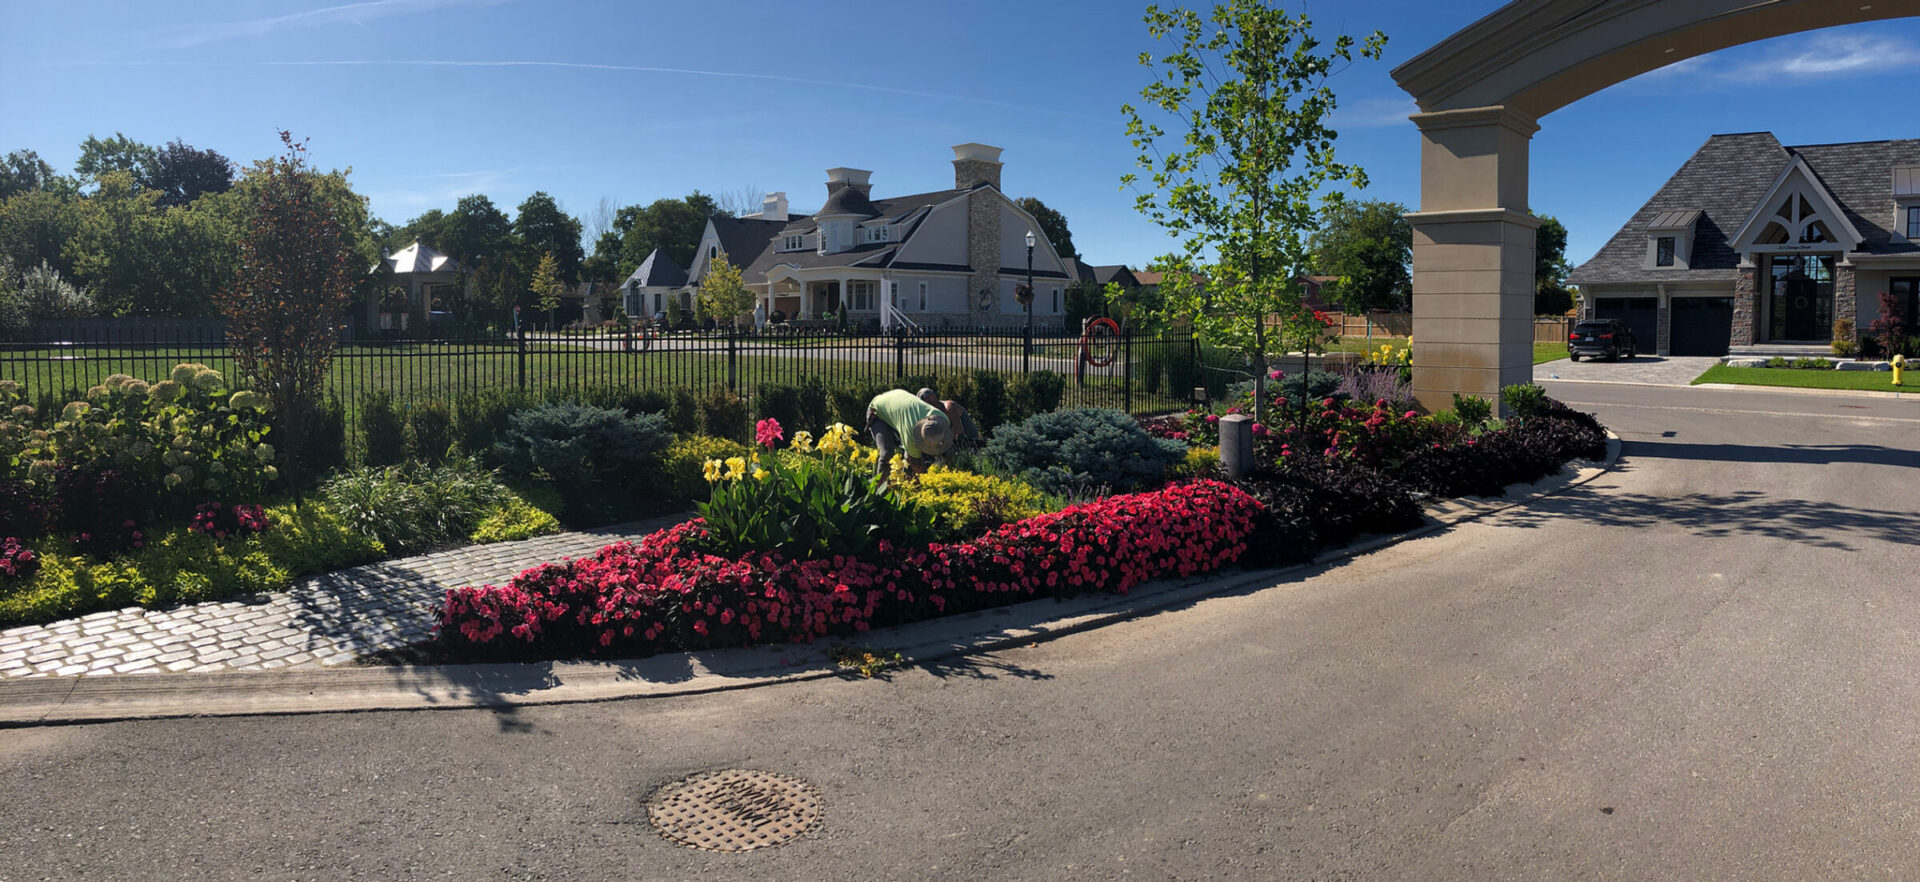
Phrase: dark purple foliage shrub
x=101 y=509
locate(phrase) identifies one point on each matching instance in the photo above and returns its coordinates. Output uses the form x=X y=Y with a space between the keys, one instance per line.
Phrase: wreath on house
x=986 y=299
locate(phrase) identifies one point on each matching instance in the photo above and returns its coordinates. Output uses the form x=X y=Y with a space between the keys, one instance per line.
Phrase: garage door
x=1702 y=325
x=1640 y=314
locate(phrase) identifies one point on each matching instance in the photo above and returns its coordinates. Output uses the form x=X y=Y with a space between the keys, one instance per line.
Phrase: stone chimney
x=774 y=207
x=849 y=177
x=975 y=164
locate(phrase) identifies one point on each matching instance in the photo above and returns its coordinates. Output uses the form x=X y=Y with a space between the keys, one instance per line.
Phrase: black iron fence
x=1135 y=372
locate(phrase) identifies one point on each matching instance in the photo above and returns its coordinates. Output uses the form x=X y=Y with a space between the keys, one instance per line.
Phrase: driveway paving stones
x=1649 y=370
x=324 y=621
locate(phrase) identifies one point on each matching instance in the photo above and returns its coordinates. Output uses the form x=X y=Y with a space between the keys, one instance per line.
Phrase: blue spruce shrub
x=1070 y=451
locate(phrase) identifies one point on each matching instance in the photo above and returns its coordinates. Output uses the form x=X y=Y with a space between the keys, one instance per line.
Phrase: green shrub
x=383 y=435
x=679 y=471
x=180 y=566
x=1033 y=393
x=429 y=431
x=849 y=406
x=724 y=415
x=965 y=505
x=1472 y=409
x=683 y=413
x=324 y=450
x=590 y=455
x=1201 y=462
x=1843 y=339
x=1524 y=400
x=512 y=520
x=1779 y=362
x=480 y=418
x=414 y=506
x=1812 y=364
x=1068 y=450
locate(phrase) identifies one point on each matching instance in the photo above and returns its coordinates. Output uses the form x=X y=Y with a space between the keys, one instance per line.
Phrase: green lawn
x=1879 y=381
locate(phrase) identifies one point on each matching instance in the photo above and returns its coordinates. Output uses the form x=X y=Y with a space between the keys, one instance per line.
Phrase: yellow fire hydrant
x=1899 y=367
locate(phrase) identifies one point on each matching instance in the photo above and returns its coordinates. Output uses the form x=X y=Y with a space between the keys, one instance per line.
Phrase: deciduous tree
x=543 y=228
x=1368 y=244
x=118 y=153
x=297 y=271
x=672 y=225
x=547 y=285
x=1237 y=159
x=23 y=171
x=1052 y=223
x=723 y=296
x=183 y=173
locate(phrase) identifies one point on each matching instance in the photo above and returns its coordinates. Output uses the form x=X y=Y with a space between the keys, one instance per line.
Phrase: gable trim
x=1823 y=204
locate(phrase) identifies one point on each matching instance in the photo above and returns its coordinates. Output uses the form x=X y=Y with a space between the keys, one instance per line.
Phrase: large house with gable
x=1755 y=247
x=945 y=259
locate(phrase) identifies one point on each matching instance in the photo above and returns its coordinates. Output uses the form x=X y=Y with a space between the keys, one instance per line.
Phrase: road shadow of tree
x=979 y=667
x=1721 y=514
x=1781 y=454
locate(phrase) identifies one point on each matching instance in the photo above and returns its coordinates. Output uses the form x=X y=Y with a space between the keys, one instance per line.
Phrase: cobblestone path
x=325 y=620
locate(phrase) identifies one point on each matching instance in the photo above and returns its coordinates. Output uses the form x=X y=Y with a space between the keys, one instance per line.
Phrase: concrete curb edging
x=43 y=701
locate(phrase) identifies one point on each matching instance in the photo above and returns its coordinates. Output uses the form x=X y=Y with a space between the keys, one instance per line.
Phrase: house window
x=1663 y=251
x=923 y=296
x=712 y=251
x=876 y=234
x=657 y=305
x=1913 y=222
x=793 y=243
x=1056 y=300
x=862 y=295
x=893 y=294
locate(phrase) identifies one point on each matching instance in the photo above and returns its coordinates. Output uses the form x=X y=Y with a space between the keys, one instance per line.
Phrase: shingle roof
x=1723 y=180
x=1116 y=273
x=657 y=270
x=1727 y=176
x=1860 y=177
x=1674 y=220
x=844 y=201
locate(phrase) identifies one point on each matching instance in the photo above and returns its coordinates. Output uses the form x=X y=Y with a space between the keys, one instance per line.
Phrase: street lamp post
x=1029 y=358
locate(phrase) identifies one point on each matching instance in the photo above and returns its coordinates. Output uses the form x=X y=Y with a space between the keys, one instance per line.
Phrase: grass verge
x=1877 y=381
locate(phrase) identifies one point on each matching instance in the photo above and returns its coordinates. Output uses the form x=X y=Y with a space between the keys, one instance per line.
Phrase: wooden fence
x=1546 y=329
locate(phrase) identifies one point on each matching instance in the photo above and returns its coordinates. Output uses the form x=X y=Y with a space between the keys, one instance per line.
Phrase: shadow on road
x=1800 y=454
x=1714 y=515
x=980 y=668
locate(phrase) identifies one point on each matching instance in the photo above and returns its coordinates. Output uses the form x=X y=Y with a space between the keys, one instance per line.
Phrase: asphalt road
x=1700 y=666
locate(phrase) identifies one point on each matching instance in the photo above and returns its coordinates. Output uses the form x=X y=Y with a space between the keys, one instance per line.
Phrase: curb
x=1802 y=390
x=46 y=701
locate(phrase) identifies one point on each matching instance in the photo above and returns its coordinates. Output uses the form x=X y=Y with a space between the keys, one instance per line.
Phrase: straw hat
x=933 y=435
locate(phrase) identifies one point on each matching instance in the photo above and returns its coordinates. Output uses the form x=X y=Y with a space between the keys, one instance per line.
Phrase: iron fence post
x=899 y=358
x=733 y=359
x=1126 y=371
x=520 y=347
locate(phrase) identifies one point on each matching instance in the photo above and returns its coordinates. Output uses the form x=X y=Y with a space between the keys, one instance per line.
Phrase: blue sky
x=428 y=100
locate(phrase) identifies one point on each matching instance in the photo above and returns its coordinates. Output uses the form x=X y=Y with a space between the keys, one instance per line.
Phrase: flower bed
x=662 y=593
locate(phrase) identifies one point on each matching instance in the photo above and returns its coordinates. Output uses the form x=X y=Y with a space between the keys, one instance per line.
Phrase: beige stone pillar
x=1472 y=255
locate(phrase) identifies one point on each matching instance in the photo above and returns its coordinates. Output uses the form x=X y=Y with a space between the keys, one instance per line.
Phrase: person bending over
x=901 y=423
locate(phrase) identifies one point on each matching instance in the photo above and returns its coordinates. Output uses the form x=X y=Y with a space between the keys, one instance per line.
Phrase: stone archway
x=1481 y=94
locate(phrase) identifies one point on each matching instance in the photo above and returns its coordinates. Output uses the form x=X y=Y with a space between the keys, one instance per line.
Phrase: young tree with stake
x=1239 y=172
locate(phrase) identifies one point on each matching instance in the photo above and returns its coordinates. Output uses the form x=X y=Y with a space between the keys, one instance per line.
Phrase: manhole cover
x=735 y=810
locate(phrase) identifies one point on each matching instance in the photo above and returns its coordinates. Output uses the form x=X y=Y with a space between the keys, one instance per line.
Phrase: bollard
x=1236 y=444
x=1899 y=367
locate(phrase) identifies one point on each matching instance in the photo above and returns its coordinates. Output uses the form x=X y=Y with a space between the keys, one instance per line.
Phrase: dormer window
x=1670 y=239
x=1913 y=223
x=793 y=243
x=880 y=233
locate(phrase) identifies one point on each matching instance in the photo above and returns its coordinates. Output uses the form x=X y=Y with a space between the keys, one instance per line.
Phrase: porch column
x=1846 y=298
x=846 y=298
x=1746 y=303
x=1472 y=255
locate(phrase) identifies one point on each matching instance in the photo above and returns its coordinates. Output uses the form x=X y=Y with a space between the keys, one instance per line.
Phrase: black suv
x=1605 y=338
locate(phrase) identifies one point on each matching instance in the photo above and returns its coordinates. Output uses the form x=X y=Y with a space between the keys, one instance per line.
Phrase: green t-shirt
x=901 y=409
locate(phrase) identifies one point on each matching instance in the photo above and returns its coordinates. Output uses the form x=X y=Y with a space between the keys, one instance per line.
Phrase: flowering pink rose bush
x=662 y=593
x=17 y=561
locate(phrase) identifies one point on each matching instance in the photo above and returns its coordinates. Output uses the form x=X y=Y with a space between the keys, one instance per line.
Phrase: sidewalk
x=324 y=621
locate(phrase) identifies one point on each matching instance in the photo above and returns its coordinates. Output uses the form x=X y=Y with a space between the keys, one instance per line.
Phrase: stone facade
x=969 y=173
x=1664 y=345
x=983 y=251
x=1846 y=299
x=1746 y=308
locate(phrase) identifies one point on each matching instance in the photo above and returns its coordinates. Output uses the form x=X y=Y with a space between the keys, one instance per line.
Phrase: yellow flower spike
x=803 y=441
x=712 y=470
x=736 y=468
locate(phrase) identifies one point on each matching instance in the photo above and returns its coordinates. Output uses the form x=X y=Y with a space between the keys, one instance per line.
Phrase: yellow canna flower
x=803 y=441
x=712 y=470
x=736 y=468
